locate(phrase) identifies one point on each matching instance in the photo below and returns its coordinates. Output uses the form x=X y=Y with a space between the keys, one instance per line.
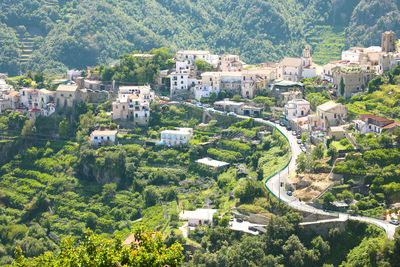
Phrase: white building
x=73 y=74
x=105 y=137
x=200 y=92
x=355 y=54
x=190 y=56
x=297 y=108
x=29 y=98
x=180 y=136
x=370 y=123
x=198 y=217
x=179 y=83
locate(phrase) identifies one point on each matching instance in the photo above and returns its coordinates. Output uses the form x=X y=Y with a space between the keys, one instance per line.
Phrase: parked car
x=272 y=120
x=294 y=133
x=298 y=136
x=252 y=228
x=395 y=222
x=299 y=141
x=232 y=114
x=289 y=128
x=289 y=193
x=303 y=149
x=239 y=220
x=277 y=122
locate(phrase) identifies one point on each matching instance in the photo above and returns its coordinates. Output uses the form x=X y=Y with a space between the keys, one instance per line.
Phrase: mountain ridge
x=76 y=34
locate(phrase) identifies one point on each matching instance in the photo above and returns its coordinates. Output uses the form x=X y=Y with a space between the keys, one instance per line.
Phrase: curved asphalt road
x=273 y=185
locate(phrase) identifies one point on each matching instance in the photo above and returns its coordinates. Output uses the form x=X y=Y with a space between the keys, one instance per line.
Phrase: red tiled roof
x=13 y=93
x=376 y=118
x=392 y=125
x=131 y=239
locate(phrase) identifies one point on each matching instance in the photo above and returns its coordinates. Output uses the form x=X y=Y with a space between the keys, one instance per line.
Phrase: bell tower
x=306 y=59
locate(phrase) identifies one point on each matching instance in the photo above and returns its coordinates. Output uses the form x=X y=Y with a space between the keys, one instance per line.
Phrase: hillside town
x=209 y=141
x=229 y=76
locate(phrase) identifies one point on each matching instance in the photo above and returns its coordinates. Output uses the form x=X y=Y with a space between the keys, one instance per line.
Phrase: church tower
x=388 y=42
x=306 y=59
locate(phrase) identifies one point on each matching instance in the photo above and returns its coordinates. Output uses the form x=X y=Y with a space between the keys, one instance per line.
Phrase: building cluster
x=35 y=102
x=201 y=74
x=232 y=75
x=349 y=76
x=225 y=73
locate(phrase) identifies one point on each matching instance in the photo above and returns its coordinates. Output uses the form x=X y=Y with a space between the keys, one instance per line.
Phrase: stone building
x=388 y=42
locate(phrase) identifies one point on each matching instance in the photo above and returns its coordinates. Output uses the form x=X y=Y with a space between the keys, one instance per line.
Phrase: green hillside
x=76 y=34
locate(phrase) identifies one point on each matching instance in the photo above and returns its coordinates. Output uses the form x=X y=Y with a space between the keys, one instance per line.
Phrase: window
x=70 y=95
x=334 y=115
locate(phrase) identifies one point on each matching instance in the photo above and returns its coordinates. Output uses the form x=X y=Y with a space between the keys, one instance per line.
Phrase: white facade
x=179 y=81
x=309 y=72
x=106 y=137
x=73 y=74
x=204 y=92
x=180 y=136
x=181 y=66
x=297 y=108
x=29 y=98
x=198 y=217
x=190 y=56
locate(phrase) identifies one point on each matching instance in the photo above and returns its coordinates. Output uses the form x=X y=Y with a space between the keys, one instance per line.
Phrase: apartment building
x=133 y=104
x=256 y=78
x=227 y=81
x=179 y=136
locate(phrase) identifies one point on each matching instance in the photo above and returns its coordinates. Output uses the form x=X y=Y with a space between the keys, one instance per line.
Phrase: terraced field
x=50 y=2
x=327 y=43
x=26 y=45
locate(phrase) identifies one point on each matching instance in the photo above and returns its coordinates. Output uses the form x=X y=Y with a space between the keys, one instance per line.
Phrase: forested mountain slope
x=59 y=34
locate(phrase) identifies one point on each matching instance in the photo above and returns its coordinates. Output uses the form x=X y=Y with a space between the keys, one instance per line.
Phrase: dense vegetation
x=284 y=244
x=53 y=35
x=54 y=185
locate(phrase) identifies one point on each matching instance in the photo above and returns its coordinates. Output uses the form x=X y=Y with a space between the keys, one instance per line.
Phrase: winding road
x=273 y=184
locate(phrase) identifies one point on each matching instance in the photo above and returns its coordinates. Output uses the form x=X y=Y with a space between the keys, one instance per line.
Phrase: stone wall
x=322 y=228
